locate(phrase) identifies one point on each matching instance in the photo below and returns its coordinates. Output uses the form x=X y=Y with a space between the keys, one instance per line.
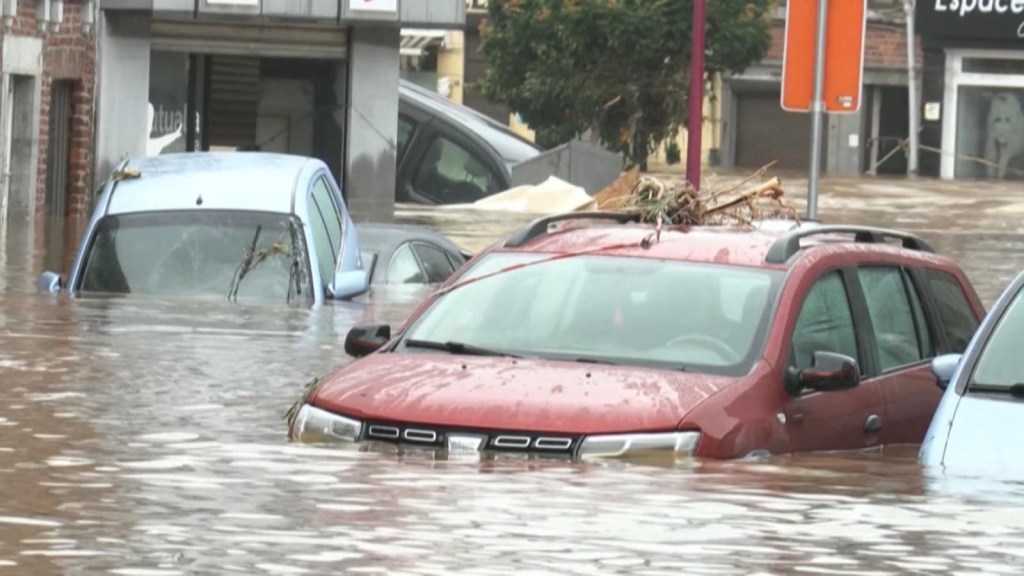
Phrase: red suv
x=610 y=340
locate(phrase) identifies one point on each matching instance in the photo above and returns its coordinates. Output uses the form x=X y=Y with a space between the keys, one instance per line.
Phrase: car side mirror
x=943 y=367
x=466 y=254
x=49 y=282
x=363 y=340
x=348 y=284
x=829 y=372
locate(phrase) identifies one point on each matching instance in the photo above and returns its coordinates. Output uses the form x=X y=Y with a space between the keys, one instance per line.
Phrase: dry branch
x=679 y=204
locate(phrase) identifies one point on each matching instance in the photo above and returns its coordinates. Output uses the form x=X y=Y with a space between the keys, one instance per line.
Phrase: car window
x=404 y=268
x=921 y=322
x=405 y=130
x=328 y=207
x=825 y=323
x=999 y=364
x=892 y=316
x=450 y=174
x=321 y=244
x=623 y=310
x=436 y=264
x=954 y=309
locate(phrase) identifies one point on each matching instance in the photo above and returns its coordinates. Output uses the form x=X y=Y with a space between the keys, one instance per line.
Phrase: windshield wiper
x=245 y=265
x=458 y=348
x=296 y=272
x=253 y=258
x=1015 y=390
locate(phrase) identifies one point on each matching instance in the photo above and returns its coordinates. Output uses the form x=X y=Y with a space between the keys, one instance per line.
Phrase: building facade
x=973 y=88
x=311 y=77
x=47 y=94
x=756 y=130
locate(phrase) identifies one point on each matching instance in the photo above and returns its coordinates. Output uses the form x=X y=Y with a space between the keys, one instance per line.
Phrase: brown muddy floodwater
x=146 y=437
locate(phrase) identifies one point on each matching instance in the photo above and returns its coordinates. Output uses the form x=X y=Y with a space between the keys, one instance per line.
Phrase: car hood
x=514 y=394
x=984 y=436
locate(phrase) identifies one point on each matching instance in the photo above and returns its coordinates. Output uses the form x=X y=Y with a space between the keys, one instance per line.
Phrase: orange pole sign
x=845 y=26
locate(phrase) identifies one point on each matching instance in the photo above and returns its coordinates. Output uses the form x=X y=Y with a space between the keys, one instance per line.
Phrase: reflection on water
x=147 y=437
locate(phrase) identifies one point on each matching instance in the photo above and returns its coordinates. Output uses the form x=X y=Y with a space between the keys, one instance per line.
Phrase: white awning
x=416 y=40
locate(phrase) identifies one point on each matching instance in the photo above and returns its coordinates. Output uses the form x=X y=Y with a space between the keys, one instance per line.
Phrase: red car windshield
x=623 y=310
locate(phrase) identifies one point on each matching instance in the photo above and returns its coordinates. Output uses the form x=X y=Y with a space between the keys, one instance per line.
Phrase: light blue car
x=234 y=225
x=979 y=421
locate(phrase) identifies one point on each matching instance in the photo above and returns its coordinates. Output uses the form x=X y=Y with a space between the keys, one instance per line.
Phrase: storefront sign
x=980 y=19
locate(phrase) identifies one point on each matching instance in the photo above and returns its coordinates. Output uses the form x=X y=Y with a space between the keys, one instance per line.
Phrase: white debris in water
x=169 y=436
x=28 y=521
x=326 y=556
x=144 y=572
x=65 y=553
x=67 y=461
x=200 y=407
x=49 y=436
x=241 y=516
x=55 y=396
x=280 y=569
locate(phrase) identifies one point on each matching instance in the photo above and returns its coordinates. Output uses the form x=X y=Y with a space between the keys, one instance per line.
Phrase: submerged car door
x=834 y=420
x=902 y=343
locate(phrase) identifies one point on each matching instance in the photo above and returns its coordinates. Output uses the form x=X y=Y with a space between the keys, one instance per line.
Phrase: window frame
x=942 y=343
x=471 y=150
x=400 y=148
x=911 y=293
x=394 y=256
x=422 y=264
x=858 y=310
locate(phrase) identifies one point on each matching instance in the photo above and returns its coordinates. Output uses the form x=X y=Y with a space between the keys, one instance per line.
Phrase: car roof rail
x=789 y=244
x=540 y=226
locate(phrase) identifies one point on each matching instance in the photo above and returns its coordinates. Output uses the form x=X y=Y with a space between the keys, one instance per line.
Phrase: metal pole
x=915 y=120
x=695 y=103
x=817 y=111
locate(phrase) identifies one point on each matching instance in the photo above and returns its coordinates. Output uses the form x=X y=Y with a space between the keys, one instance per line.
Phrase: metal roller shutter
x=765 y=132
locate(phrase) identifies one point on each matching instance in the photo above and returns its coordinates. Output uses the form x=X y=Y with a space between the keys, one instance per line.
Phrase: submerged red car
x=608 y=340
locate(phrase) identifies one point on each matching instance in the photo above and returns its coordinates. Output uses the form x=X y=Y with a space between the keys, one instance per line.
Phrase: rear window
x=955 y=310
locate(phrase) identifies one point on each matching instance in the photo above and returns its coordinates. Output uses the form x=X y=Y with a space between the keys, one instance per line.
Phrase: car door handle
x=873 y=424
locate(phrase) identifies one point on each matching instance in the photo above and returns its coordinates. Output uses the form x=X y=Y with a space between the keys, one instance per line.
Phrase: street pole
x=817 y=111
x=914 y=124
x=695 y=103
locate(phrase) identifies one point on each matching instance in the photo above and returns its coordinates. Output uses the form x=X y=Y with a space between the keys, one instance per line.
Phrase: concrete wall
x=122 y=119
x=372 y=122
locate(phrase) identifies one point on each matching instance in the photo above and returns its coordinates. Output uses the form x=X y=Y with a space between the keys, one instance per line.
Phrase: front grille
x=493 y=440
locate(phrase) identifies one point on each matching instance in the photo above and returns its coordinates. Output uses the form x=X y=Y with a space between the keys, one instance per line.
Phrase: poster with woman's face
x=1004 y=135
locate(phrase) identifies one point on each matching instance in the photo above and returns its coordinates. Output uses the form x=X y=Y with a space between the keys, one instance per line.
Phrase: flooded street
x=147 y=437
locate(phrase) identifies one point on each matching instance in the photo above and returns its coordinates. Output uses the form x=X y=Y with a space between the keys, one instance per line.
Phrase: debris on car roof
x=677 y=203
x=125 y=173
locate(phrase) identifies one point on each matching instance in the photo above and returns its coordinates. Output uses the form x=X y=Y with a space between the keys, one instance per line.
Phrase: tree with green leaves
x=617 y=67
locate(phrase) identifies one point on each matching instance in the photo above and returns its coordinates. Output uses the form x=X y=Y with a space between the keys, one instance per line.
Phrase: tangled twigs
x=680 y=205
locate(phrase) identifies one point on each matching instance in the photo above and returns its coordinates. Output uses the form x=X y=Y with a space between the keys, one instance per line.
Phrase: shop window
x=990 y=133
x=168 y=95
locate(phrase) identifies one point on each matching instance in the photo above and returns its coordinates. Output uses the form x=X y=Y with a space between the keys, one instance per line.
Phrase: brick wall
x=885 y=45
x=68 y=54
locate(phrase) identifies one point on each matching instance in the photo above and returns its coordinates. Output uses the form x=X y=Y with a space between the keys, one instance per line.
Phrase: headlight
x=612 y=445
x=315 y=425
